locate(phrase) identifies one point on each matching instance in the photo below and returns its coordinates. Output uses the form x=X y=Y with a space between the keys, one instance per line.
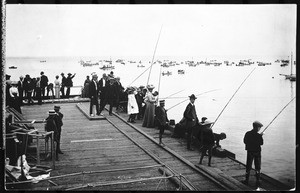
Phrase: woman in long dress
x=132 y=106
x=57 y=87
x=150 y=100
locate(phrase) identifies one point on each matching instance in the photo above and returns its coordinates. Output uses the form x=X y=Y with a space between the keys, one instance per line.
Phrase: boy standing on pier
x=253 y=140
x=59 y=124
x=161 y=119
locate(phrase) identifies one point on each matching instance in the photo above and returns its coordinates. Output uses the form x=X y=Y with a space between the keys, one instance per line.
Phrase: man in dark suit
x=63 y=85
x=21 y=89
x=161 y=119
x=103 y=85
x=93 y=92
x=191 y=119
x=44 y=83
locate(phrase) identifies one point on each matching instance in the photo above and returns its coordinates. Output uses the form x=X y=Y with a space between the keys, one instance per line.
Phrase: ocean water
x=261 y=97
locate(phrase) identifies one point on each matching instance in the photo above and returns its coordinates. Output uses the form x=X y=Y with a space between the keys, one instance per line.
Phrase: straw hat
x=150 y=86
x=51 y=112
x=207 y=122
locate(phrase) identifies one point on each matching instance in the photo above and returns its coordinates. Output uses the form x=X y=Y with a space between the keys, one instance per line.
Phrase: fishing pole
x=174 y=94
x=230 y=99
x=189 y=99
x=139 y=76
x=154 y=54
x=277 y=115
x=159 y=83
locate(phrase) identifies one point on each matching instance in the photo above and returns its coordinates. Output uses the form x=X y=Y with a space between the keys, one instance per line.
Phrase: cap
x=207 y=122
x=203 y=119
x=257 y=124
x=56 y=107
x=162 y=102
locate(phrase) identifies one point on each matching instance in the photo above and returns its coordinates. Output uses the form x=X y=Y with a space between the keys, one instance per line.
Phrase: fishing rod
x=277 y=115
x=189 y=99
x=231 y=98
x=174 y=94
x=154 y=54
x=159 y=83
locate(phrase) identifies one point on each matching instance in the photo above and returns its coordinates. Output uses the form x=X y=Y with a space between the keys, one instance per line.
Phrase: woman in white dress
x=57 y=87
x=132 y=106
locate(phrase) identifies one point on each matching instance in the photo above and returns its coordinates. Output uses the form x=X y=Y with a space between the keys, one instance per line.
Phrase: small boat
x=168 y=73
x=181 y=71
x=142 y=66
x=107 y=67
x=291 y=77
x=42 y=61
x=12 y=67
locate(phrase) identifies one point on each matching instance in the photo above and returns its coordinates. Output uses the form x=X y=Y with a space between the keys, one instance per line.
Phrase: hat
x=62 y=73
x=69 y=74
x=27 y=76
x=141 y=87
x=207 y=122
x=42 y=72
x=257 y=124
x=94 y=75
x=150 y=86
x=193 y=96
x=203 y=119
x=7 y=76
x=56 y=107
x=162 y=102
x=51 y=112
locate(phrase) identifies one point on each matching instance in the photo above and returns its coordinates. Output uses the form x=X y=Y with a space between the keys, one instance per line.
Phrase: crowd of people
x=27 y=88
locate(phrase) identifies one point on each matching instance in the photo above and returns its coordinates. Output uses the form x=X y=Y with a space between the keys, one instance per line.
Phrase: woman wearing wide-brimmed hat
x=149 y=114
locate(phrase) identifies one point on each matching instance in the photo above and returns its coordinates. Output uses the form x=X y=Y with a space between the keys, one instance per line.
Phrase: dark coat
x=161 y=116
x=69 y=82
x=63 y=81
x=44 y=81
x=93 y=91
x=253 y=141
x=190 y=114
x=207 y=137
x=51 y=126
x=28 y=84
x=112 y=94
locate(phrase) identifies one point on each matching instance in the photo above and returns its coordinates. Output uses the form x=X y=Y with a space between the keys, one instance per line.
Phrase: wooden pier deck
x=101 y=154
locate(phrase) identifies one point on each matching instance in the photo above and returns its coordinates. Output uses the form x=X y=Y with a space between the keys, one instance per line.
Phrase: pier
x=108 y=153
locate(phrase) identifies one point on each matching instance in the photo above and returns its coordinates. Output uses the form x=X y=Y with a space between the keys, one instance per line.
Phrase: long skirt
x=148 y=120
x=57 y=93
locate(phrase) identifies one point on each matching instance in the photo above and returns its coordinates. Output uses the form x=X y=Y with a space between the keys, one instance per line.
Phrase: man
x=21 y=89
x=191 y=119
x=253 y=141
x=51 y=126
x=103 y=85
x=69 y=84
x=59 y=124
x=161 y=119
x=207 y=140
x=93 y=94
x=140 y=101
x=112 y=94
x=44 y=83
x=28 y=88
x=120 y=91
x=63 y=85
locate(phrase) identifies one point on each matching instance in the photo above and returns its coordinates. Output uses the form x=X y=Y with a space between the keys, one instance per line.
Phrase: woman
x=14 y=95
x=132 y=106
x=57 y=87
x=150 y=108
x=85 y=91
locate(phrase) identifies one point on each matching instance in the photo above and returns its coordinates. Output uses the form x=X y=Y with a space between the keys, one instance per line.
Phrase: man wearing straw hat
x=191 y=119
x=207 y=140
x=253 y=141
x=51 y=126
x=93 y=92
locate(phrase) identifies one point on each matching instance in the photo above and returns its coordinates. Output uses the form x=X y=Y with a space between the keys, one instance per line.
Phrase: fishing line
x=277 y=115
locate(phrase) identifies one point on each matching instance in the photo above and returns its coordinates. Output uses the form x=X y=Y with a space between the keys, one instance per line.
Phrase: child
x=132 y=106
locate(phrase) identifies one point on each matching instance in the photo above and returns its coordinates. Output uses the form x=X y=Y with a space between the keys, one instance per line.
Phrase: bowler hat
x=193 y=96
x=257 y=124
x=56 y=107
x=52 y=112
x=69 y=74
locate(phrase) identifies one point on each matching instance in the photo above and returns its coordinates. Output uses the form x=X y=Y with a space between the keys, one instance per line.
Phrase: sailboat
x=291 y=77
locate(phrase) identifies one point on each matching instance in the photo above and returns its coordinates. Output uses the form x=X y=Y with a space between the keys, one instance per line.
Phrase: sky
x=133 y=30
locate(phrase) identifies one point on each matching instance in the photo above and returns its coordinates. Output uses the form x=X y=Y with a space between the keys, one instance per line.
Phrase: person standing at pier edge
x=253 y=141
x=103 y=85
x=207 y=141
x=28 y=88
x=161 y=119
x=85 y=91
x=112 y=94
x=149 y=100
x=21 y=89
x=191 y=119
x=140 y=101
x=93 y=92
x=132 y=106
x=69 y=84
x=14 y=96
x=57 y=87
x=44 y=83
x=63 y=85
x=59 y=124
x=38 y=90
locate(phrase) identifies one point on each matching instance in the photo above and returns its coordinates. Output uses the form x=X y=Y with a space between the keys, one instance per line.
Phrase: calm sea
x=261 y=97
